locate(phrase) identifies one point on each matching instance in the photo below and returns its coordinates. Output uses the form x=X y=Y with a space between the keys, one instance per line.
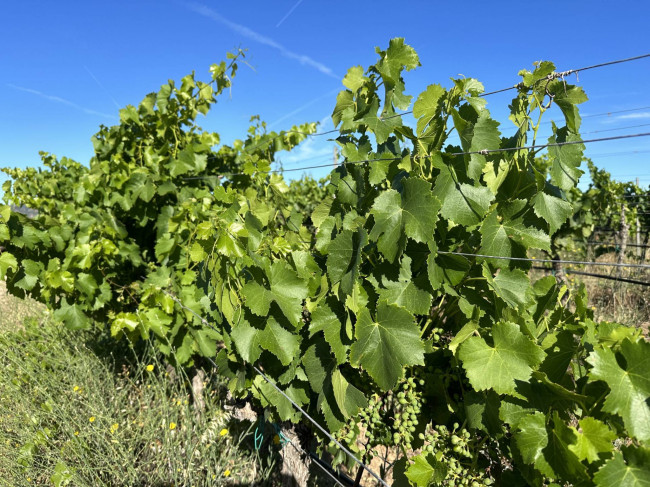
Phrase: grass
x=73 y=414
x=13 y=312
x=613 y=301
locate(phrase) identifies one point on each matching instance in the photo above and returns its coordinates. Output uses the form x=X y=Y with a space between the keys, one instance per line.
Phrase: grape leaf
x=594 y=437
x=337 y=398
x=269 y=395
x=427 y=107
x=510 y=237
x=477 y=136
x=531 y=438
x=565 y=159
x=413 y=213
x=386 y=345
x=404 y=292
x=7 y=261
x=426 y=470
x=510 y=285
x=344 y=257
x=628 y=469
x=629 y=384
x=74 y=318
x=286 y=288
x=348 y=398
x=326 y=320
x=250 y=336
x=548 y=447
x=462 y=203
x=552 y=209
x=567 y=97
x=354 y=78
x=512 y=357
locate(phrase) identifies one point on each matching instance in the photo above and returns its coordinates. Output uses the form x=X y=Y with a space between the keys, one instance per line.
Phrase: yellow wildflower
x=149 y=368
x=76 y=433
x=75 y=388
x=172 y=426
x=91 y=419
x=114 y=427
x=223 y=432
x=226 y=473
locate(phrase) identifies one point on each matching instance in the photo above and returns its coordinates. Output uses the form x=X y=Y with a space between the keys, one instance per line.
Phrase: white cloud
x=63 y=101
x=311 y=152
x=262 y=39
x=630 y=116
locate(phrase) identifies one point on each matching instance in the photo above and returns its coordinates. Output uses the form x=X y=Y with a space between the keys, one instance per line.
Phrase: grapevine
x=343 y=292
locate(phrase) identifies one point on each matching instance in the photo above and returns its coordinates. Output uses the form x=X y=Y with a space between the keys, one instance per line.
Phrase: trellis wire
x=323 y=465
x=599 y=276
x=552 y=261
x=550 y=77
x=323 y=430
x=302 y=411
x=482 y=152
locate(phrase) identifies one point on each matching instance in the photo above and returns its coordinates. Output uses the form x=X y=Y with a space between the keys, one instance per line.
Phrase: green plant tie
x=283 y=439
x=259 y=434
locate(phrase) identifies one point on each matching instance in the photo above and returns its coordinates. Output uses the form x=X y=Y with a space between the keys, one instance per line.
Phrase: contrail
x=262 y=39
x=63 y=101
x=302 y=107
x=288 y=13
x=102 y=87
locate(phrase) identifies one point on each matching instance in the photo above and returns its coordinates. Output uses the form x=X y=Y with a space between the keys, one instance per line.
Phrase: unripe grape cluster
x=436 y=333
x=454 y=449
x=407 y=407
x=390 y=419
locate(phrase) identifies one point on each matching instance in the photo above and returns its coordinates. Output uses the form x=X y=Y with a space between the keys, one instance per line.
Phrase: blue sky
x=67 y=66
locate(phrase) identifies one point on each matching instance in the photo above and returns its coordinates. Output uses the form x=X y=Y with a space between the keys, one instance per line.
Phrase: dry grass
x=14 y=311
x=613 y=301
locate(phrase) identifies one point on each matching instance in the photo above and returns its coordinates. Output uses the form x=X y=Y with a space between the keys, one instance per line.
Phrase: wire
x=562 y=74
x=599 y=276
x=318 y=463
x=605 y=130
x=323 y=430
x=614 y=244
x=178 y=301
x=554 y=261
x=282 y=134
x=552 y=76
x=482 y=152
x=623 y=153
x=317 y=159
x=618 y=128
x=304 y=413
x=336 y=475
x=557 y=144
x=322 y=464
x=603 y=114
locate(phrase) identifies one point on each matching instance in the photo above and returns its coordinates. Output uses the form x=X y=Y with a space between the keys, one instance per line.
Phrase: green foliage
x=160 y=217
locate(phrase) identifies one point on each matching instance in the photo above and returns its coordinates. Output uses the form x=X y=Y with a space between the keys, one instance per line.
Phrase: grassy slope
x=72 y=414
